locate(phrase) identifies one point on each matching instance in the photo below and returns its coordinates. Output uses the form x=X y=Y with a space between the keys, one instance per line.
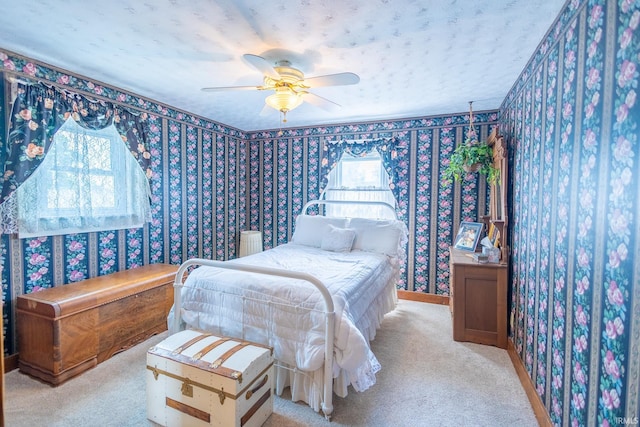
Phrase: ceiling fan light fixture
x=284 y=100
x=290 y=85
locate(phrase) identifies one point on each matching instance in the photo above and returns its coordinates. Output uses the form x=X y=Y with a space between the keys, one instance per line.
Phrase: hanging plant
x=472 y=156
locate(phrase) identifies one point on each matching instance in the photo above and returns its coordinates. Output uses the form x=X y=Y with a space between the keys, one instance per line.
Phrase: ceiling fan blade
x=222 y=88
x=262 y=65
x=319 y=101
x=332 y=80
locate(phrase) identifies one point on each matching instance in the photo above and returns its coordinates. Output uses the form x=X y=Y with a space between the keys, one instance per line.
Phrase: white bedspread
x=359 y=282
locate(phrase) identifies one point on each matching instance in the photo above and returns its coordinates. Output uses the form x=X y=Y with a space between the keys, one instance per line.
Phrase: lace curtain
x=38 y=112
x=87 y=182
x=377 y=191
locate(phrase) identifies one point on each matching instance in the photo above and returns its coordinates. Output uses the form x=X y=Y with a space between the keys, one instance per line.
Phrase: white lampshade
x=250 y=242
x=284 y=100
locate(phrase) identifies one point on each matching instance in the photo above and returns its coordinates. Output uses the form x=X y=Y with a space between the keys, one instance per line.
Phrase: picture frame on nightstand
x=468 y=236
x=494 y=235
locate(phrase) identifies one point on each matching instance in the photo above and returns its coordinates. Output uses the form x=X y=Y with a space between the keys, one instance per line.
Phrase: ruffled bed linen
x=252 y=306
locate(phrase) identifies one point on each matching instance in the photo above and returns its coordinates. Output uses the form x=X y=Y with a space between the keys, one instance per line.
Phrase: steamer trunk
x=66 y=330
x=198 y=379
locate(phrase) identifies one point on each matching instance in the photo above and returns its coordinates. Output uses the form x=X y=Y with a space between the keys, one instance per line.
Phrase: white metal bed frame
x=327 y=392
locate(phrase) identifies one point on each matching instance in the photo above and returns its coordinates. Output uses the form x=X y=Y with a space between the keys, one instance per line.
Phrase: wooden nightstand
x=478 y=300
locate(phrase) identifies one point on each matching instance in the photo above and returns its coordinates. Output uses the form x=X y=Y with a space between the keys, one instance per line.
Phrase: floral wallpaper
x=197 y=205
x=571 y=121
x=3 y=251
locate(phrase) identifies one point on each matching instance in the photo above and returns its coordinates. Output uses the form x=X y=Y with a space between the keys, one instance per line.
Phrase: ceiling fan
x=290 y=86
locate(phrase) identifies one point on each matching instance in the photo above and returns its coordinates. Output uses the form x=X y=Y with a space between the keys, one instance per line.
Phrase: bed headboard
x=310 y=203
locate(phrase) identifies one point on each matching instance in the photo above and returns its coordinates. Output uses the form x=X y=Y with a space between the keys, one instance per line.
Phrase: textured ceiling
x=414 y=58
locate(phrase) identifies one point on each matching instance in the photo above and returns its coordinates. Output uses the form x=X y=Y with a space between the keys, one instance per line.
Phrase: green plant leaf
x=470 y=153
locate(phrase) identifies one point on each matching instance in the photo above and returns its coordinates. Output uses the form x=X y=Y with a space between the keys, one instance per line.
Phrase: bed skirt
x=308 y=386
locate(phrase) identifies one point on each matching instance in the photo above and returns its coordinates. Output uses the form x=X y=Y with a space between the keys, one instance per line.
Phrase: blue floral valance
x=38 y=112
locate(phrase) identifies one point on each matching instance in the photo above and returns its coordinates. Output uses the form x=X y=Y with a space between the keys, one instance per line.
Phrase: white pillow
x=380 y=236
x=310 y=229
x=338 y=239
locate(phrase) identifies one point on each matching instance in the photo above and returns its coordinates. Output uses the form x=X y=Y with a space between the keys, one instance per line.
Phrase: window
x=89 y=181
x=359 y=179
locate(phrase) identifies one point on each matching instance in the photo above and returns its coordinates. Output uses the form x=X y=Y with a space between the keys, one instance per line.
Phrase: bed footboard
x=329 y=314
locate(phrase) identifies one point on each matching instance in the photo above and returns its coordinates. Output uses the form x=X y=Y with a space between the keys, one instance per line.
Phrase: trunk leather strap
x=210 y=347
x=189 y=410
x=233 y=350
x=246 y=417
x=189 y=343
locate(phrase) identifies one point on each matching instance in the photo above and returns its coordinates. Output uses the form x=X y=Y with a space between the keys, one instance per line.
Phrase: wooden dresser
x=66 y=330
x=478 y=300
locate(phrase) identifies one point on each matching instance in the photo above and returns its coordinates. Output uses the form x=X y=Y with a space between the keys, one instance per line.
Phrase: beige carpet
x=427 y=379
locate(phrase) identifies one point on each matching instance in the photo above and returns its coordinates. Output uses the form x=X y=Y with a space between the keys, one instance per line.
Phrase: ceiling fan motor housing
x=289 y=76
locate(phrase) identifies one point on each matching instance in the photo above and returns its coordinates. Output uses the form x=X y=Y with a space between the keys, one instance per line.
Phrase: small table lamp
x=250 y=242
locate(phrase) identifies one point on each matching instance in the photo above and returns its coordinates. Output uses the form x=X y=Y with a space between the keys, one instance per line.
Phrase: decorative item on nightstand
x=468 y=236
x=250 y=242
x=492 y=253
